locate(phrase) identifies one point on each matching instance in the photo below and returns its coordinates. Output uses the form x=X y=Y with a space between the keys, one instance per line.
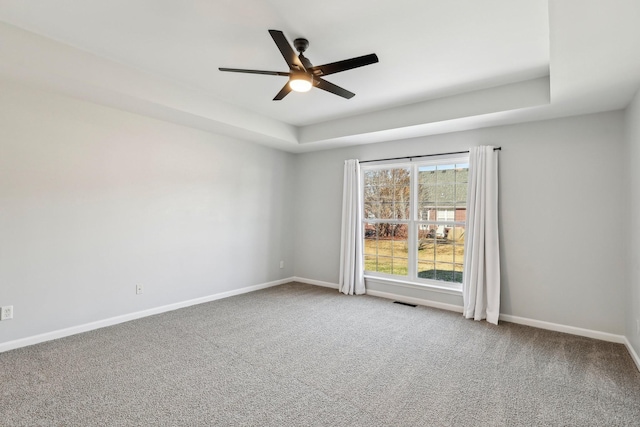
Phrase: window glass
x=414 y=220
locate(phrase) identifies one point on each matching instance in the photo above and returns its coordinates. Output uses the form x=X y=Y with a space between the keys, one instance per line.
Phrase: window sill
x=414 y=285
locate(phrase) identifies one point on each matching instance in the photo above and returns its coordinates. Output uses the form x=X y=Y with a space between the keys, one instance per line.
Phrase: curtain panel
x=351 y=269
x=481 y=281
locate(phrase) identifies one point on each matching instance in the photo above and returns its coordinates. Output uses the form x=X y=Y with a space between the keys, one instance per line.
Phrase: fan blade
x=285 y=49
x=269 y=73
x=283 y=92
x=330 y=87
x=347 y=64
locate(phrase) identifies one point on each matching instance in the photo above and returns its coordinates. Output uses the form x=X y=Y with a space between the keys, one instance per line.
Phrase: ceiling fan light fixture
x=303 y=75
x=301 y=83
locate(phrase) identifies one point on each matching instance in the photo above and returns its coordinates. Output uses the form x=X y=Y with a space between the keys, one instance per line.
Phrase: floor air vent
x=404 y=303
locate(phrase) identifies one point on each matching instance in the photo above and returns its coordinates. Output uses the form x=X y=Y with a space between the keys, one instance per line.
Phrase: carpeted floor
x=299 y=355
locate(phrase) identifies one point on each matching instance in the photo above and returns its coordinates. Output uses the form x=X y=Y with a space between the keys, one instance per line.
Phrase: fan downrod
x=301 y=45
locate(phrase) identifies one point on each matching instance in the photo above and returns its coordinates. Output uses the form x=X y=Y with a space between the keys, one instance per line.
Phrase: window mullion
x=413 y=228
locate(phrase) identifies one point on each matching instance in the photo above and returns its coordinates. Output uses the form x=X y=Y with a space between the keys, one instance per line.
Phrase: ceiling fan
x=302 y=74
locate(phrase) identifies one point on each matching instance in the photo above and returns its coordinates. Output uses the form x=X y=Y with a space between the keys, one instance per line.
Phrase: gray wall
x=632 y=308
x=94 y=200
x=562 y=215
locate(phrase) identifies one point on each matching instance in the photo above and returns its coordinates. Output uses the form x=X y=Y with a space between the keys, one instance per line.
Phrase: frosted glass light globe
x=300 y=84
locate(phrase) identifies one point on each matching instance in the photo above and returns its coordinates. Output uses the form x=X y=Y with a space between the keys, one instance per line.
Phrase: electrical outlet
x=139 y=289
x=6 y=312
x=281 y=264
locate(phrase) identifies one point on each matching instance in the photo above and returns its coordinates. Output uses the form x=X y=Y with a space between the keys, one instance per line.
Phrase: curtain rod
x=424 y=155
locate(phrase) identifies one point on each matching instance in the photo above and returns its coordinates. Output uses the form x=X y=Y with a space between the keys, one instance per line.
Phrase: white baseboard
x=589 y=333
x=61 y=333
x=540 y=324
x=418 y=301
x=632 y=352
x=387 y=295
x=316 y=282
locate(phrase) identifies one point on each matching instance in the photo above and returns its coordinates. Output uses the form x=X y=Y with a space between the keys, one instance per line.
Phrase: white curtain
x=351 y=269
x=481 y=283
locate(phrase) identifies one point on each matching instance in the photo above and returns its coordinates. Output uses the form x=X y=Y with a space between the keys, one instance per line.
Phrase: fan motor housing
x=301 y=44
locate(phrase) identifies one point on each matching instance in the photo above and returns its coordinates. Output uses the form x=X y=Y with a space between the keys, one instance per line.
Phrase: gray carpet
x=283 y=356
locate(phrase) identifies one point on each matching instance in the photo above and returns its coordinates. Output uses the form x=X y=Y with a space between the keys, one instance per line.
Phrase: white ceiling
x=444 y=65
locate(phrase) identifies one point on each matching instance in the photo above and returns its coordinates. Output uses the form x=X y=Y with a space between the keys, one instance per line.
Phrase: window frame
x=413 y=223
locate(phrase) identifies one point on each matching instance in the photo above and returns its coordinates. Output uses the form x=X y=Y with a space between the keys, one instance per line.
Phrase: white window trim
x=393 y=280
x=412 y=279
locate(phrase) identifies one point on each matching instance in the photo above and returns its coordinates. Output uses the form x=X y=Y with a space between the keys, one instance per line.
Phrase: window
x=414 y=220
